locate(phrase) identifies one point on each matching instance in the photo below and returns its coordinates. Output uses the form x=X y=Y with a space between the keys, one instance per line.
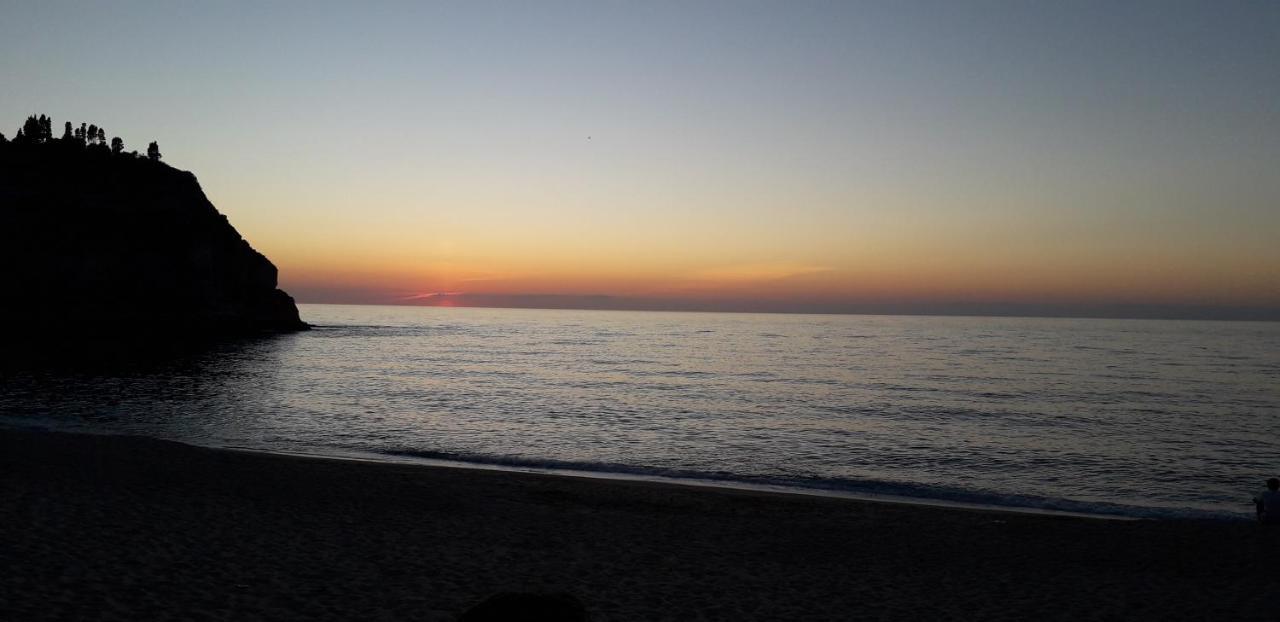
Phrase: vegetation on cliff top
x=39 y=131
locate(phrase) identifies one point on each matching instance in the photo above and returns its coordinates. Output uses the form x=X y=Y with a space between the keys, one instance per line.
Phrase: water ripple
x=1138 y=417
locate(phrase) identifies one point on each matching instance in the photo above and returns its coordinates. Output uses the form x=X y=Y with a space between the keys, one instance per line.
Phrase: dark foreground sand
x=135 y=529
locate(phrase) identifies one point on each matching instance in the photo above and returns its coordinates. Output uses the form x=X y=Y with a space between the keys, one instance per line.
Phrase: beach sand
x=118 y=528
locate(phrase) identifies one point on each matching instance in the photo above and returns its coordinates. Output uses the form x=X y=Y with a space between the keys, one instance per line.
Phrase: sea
x=1124 y=418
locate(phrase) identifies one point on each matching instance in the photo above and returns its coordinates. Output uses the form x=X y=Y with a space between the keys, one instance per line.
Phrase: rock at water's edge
x=95 y=242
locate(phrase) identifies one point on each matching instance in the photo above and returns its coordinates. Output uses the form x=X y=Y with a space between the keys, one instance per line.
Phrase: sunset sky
x=1046 y=157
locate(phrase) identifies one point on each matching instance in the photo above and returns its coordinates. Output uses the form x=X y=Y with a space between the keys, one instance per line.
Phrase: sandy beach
x=120 y=528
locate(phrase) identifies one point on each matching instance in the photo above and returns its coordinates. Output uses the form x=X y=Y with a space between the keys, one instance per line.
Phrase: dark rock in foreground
x=98 y=243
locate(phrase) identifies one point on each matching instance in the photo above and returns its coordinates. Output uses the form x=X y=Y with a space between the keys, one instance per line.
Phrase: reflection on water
x=1158 y=417
x=202 y=393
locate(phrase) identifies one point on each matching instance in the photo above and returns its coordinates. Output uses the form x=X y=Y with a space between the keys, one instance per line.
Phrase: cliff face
x=105 y=243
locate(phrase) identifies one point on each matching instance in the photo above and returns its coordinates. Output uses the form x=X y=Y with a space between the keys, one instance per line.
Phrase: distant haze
x=1011 y=158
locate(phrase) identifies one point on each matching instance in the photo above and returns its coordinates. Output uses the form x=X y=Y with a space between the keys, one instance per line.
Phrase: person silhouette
x=1268 y=503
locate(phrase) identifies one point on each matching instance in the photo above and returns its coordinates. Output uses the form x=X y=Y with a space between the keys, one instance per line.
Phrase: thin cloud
x=757 y=272
x=427 y=295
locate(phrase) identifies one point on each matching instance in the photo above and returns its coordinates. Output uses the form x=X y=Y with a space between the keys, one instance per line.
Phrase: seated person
x=1268 y=503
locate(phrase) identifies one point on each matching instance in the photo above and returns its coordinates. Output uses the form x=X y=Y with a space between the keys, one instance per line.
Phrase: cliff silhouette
x=98 y=241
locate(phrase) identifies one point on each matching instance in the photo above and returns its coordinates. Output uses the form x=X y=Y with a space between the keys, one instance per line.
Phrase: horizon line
x=1011 y=310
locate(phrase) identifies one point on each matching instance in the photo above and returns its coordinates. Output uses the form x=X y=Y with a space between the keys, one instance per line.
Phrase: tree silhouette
x=39 y=130
x=31 y=130
x=3 y=140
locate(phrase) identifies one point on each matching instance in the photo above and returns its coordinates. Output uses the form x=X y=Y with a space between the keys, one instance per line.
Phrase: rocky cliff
x=108 y=243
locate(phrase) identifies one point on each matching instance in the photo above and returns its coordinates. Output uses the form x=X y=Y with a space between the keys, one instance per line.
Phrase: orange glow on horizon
x=453 y=283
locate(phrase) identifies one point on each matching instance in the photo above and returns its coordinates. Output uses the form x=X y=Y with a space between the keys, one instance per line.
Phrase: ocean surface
x=1128 y=417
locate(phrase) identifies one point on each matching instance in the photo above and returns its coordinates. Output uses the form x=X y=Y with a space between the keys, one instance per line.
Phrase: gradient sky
x=1049 y=157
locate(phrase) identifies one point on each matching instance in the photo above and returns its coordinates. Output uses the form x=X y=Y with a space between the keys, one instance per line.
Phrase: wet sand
x=117 y=528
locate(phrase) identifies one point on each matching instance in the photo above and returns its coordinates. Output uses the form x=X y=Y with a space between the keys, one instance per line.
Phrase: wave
x=867 y=489
x=862 y=489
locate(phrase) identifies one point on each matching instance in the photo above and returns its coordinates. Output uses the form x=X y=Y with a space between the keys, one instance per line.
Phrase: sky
x=1046 y=158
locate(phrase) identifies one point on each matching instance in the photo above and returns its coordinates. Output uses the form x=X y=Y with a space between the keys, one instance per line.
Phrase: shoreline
x=691 y=482
x=1161 y=514
x=1138 y=513
x=114 y=527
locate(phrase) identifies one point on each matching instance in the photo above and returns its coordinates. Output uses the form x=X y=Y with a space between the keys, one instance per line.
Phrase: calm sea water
x=1134 y=417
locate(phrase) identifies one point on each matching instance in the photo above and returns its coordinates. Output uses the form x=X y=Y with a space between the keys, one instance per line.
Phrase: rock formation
x=114 y=244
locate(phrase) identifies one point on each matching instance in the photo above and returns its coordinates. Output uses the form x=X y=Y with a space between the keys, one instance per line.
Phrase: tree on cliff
x=39 y=130
x=43 y=129
x=36 y=129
